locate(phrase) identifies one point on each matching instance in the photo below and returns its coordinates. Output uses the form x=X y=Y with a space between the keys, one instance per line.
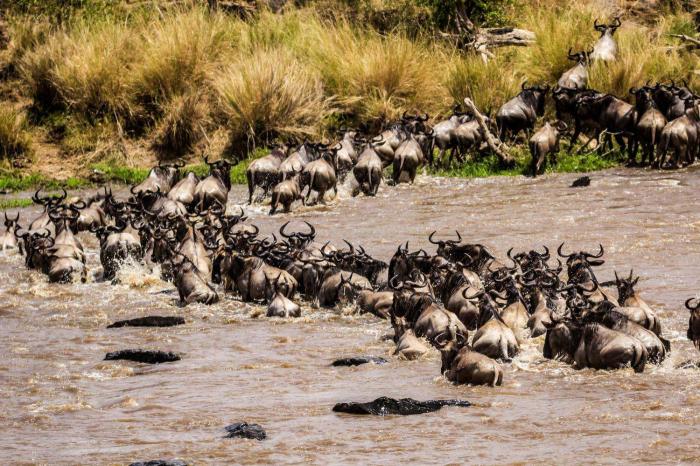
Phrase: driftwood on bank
x=495 y=144
x=690 y=41
x=489 y=38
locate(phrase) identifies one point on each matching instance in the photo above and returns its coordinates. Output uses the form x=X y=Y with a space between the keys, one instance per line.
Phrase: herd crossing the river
x=471 y=306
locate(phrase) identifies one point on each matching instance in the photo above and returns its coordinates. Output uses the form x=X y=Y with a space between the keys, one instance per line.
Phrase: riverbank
x=115 y=84
x=101 y=174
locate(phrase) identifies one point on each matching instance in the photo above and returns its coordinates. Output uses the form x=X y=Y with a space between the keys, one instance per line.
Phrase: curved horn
x=352 y=249
x=691 y=307
x=312 y=230
x=282 y=231
x=430 y=238
x=478 y=294
x=561 y=254
x=596 y=256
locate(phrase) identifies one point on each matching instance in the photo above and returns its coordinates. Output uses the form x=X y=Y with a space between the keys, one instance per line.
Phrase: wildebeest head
x=536 y=95
x=299 y=240
x=49 y=201
x=449 y=343
x=403 y=263
x=579 y=57
x=607 y=28
x=220 y=169
x=644 y=98
x=64 y=217
x=445 y=247
x=625 y=286
x=579 y=264
x=414 y=123
x=694 y=322
x=11 y=223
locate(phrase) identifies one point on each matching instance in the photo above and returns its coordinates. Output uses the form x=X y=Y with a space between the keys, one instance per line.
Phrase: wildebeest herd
x=474 y=308
x=663 y=122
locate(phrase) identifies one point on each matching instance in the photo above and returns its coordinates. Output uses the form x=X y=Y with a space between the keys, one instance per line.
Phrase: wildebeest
x=694 y=321
x=192 y=285
x=215 y=187
x=576 y=77
x=161 y=178
x=613 y=115
x=594 y=345
x=368 y=170
x=543 y=143
x=265 y=172
x=297 y=160
x=606 y=47
x=8 y=239
x=116 y=246
x=285 y=194
x=320 y=175
x=680 y=136
x=408 y=157
x=462 y=365
x=444 y=132
x=606 y=315
x=521 y=112
x=650 y=124
x=66 y=256
x=183 y=191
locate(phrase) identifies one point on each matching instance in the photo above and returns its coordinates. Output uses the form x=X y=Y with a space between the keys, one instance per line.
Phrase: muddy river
x=60 y=403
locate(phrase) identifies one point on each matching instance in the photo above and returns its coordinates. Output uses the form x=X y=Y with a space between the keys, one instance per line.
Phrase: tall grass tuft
x=180 y=129
x=37 y=71
x=378 y=77
x=177 y=54
x=15 y=139
x=271 y=94
x=485 y=83
x=92 y=75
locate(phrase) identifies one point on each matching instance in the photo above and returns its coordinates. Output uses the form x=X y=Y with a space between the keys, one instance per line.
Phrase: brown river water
x=61 y=403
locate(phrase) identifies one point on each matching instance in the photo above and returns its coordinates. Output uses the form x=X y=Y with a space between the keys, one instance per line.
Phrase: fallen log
x=495 y=144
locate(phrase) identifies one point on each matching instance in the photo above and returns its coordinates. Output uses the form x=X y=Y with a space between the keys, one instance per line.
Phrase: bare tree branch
x=495 y=144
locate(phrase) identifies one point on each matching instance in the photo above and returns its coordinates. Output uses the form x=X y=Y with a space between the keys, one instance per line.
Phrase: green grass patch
x=566 y=163
x=14 y=203
x=12 y=181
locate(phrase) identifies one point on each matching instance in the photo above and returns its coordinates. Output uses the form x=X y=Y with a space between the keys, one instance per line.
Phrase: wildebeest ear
x=596 y=263
x=636 y=280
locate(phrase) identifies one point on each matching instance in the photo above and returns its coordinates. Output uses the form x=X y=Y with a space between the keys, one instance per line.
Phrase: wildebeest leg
x=251 y=186
x=574 y=137
x=321 y=197
x=412 y=174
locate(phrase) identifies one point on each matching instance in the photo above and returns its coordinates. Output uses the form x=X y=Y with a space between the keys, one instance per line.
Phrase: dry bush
x=269 y=94
x=15 y=139
x=92 y=76
x=177 y=53
x=181 y=126
x=487 y=84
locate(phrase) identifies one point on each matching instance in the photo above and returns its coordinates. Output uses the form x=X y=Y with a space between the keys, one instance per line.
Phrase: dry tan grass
x=297 y=73
x=181 y=127
x=15 y=139
x=269 y=94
